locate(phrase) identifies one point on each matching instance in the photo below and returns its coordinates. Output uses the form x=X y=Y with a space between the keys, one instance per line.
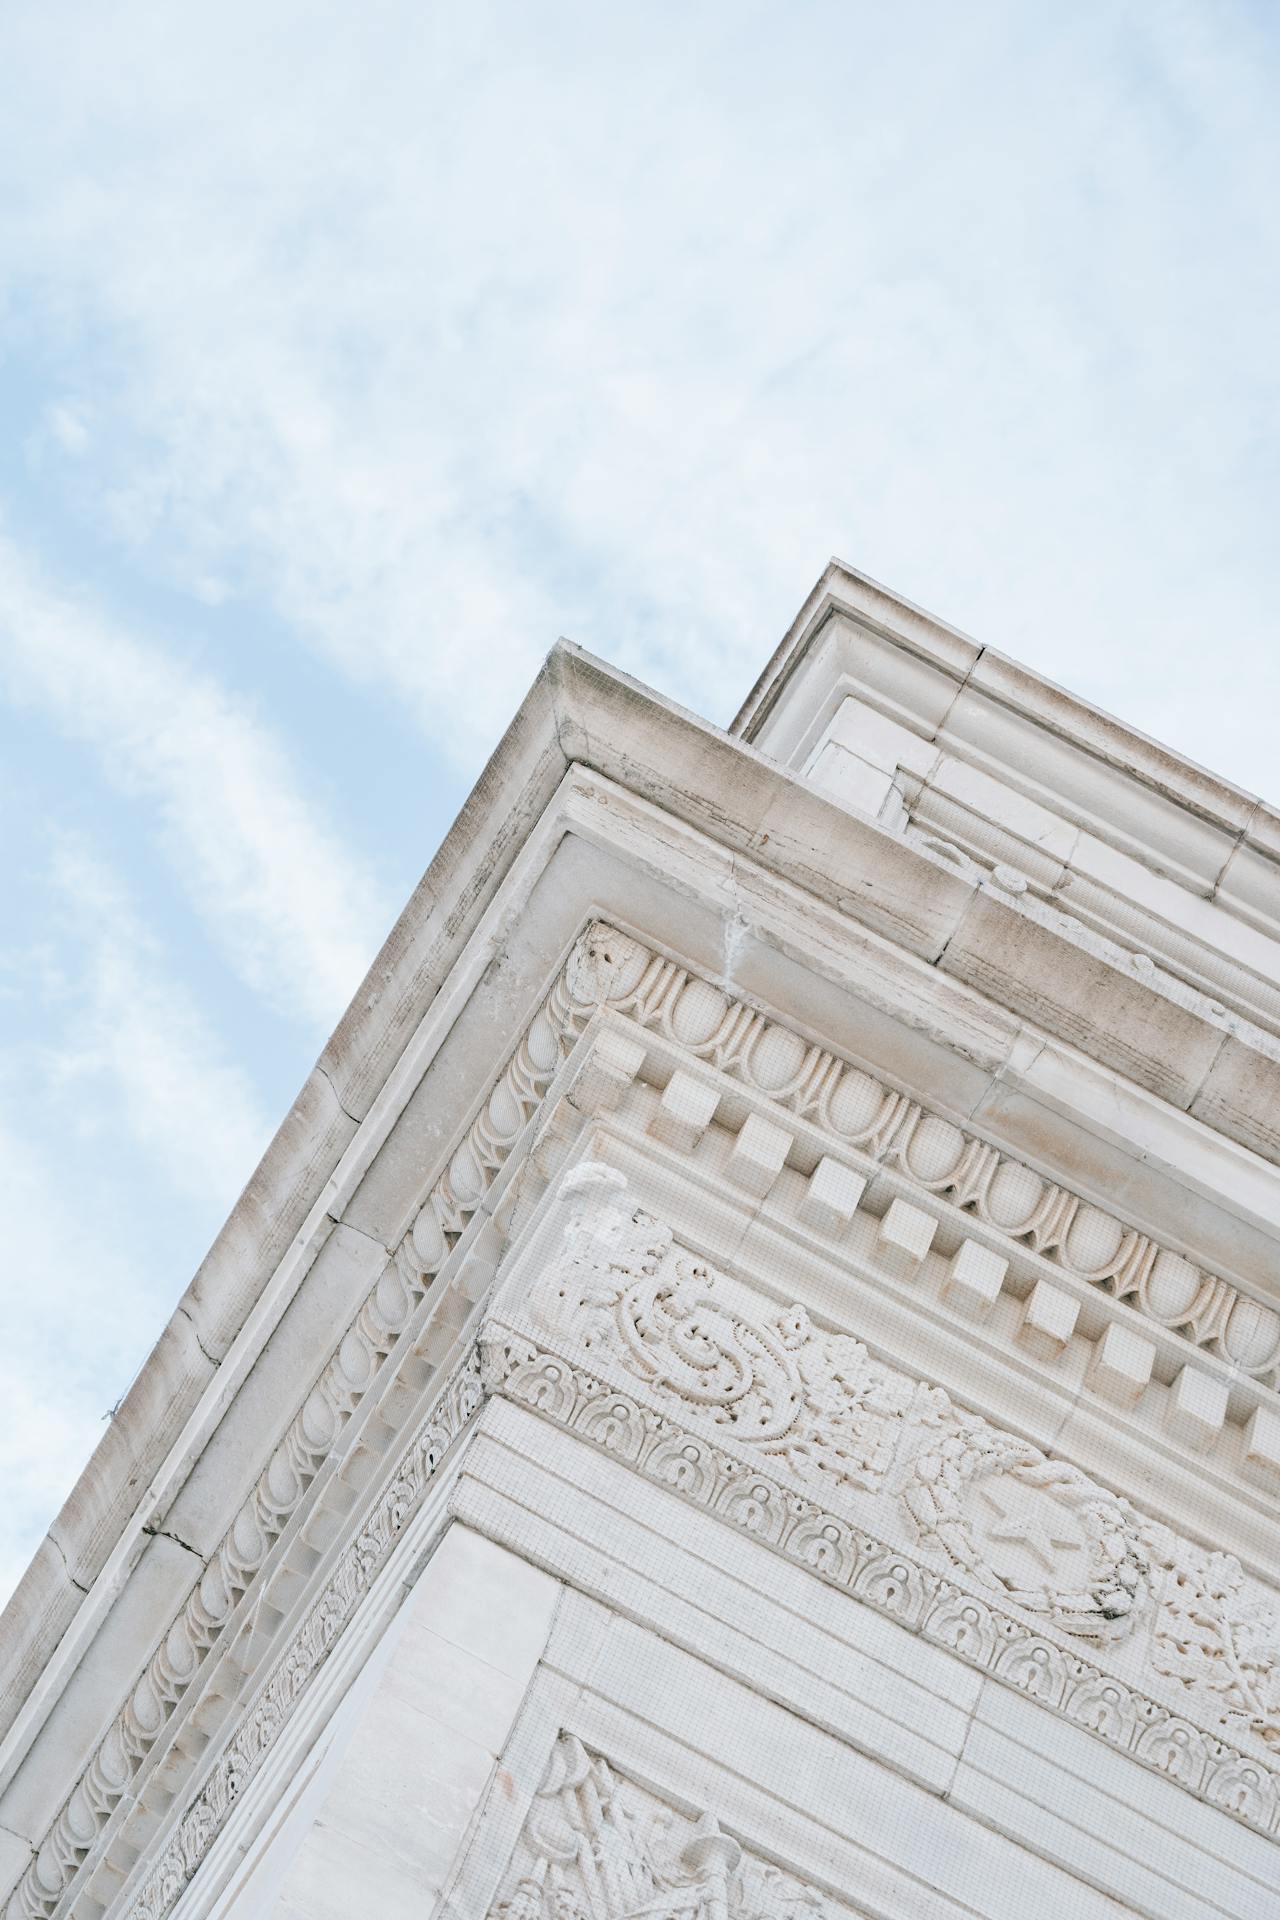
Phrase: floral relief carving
x=817 y=1403
x=598 y=1847
x=609 y=968
x=831 y=1546
x=1214 y=1634
x=772 y=1389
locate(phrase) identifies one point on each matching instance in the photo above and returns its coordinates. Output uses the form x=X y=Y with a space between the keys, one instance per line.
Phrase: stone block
x=87 y=1704
x=831 y=1198
x=906 y=1235
x=1049 y=1316
x=1262 y=1442
x=1197 y=1407
x=609 y=1069
x=851 y=780
x=39 y=1611
x=686 y=1111
x=974 y=1279
x=301 y=1344
x=1122 y=1363
x=1070 y=982
x=874 y=737
x=759 y=1155
x=131 y=1450
x=1241 y=1096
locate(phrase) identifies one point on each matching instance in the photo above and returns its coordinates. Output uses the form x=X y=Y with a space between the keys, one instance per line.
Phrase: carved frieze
x=882 y=1575
x=817 y=1404
x=1215 y=1632
x=874 y=1445
x=596 y=1846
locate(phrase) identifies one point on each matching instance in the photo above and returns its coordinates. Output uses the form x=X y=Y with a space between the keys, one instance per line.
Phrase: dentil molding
x=882 y=1484
x=609 y=968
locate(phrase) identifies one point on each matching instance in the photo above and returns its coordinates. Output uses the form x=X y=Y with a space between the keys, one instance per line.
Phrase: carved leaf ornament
x=1035 y=1529
x=598 y=1847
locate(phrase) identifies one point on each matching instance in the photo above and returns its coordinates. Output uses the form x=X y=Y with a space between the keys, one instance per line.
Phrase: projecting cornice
x=851 y=926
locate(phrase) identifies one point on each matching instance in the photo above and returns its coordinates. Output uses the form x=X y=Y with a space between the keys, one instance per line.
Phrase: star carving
x=1031 y=1531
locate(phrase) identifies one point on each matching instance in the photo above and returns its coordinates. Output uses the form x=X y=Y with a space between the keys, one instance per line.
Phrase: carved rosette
x=1035 y=1529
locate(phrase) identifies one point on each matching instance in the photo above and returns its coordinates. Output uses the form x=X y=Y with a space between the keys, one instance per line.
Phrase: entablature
x=878 y=1481
x=816 y=940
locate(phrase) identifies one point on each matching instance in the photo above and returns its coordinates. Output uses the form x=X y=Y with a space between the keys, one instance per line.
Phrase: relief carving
x=293 y=1672
x=887 y=1126
x=602 y=964
x=1215 y=1637
x=771 y=1388
x=818 y=1403
x=598 y=1847
x=1035 y=1529
x=1212 y=1633
x=835 y=1549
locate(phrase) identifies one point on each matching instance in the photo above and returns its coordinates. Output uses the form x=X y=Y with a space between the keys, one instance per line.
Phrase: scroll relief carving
x=598 y=1847
x=902 y=1457
x=609 y=968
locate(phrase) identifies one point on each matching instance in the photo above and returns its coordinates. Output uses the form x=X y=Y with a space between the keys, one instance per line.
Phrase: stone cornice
x=579 y=713
x=311 y=1438
x=297 y=1667
x=879 y=1127
x=816 y=1450
x=897 y=714
x=606 y=969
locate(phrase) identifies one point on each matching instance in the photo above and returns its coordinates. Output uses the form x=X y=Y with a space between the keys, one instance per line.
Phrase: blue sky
x=349 y=356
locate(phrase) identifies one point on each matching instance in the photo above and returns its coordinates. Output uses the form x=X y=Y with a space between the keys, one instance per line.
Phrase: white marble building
x=746 y=1383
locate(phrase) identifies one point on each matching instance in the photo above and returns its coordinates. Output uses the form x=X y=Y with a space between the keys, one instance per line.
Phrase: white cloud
x=68 y=426
x=76 y=1317
x=133 y=1049
x=449 y=330
x=443 y=330
x=292 y=908
x=136 y=1135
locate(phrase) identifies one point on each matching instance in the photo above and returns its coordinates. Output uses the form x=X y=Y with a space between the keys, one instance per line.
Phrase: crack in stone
x=163 y=1533
x=327 y=1077
x=195 y=1334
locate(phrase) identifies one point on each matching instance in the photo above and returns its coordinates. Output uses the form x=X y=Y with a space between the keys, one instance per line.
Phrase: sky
x=349 y=356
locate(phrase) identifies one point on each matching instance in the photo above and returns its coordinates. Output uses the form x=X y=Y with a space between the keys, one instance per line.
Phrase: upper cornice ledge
x=842 y=588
